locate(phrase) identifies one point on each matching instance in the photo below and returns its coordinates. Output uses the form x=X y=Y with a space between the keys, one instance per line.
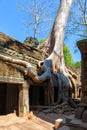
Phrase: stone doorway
x=8 y=98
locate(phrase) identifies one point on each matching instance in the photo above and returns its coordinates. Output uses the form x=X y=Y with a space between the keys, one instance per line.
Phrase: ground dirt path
x=12 y=122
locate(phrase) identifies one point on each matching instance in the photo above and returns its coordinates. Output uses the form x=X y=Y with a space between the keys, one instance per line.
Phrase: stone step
x=75 y=124
x=64 y=128
x=70 y=123
x=78 y=124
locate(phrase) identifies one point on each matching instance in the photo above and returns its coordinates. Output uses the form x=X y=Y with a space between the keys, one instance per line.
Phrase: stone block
x=74 y=128
x=58 y=123
x=78 y=112
x=64 y=128
x=77 y=124
x=69 y=118
x=84 y=116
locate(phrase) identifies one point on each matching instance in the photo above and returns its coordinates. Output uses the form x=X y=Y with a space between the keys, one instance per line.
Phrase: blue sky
x=12 y=24
x=11 y=19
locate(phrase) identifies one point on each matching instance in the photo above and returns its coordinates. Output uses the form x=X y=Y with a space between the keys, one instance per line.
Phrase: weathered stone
x=77 y=124
x=79 y=112
x=58 y=123
x=75 y=128
x=69 y=118
x=84 y=116
x=23 y=99
x=64 y=128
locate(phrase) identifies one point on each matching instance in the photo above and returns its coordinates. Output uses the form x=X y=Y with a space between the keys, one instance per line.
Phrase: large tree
x=54 y=63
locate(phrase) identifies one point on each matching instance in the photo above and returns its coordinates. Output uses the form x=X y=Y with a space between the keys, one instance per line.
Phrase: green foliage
x=78 y=64
x=67 y=56
x=42 y=41
x=33 y=41
x=69 y=59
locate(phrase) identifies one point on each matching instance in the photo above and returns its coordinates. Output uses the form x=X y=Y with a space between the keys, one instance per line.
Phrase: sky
x=12 y=24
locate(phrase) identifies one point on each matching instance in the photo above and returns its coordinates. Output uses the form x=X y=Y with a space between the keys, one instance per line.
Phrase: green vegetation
x=69 y=59
x=78 y=64
x=33 y=41
x=67 y=56
x=42 y=41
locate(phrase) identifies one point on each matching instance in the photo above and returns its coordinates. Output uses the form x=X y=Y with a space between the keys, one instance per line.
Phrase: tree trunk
x=54 y=43
x=54 y=47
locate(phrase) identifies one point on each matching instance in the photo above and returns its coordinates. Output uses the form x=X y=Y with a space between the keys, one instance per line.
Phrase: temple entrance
x=8 y=98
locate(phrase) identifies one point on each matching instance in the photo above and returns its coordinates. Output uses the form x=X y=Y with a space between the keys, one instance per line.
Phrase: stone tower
x=81 y=111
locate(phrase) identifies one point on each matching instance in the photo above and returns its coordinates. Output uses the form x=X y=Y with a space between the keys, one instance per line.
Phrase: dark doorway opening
x=2 y=99
x=8 y=98
x=36 y=95
x=55 y=94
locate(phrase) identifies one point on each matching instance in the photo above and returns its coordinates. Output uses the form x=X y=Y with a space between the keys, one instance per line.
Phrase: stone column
x=24 y=99
x=81 y=111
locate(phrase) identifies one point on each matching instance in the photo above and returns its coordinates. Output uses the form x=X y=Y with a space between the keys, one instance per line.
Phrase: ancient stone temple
x=17 y=92
x=81 y=112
